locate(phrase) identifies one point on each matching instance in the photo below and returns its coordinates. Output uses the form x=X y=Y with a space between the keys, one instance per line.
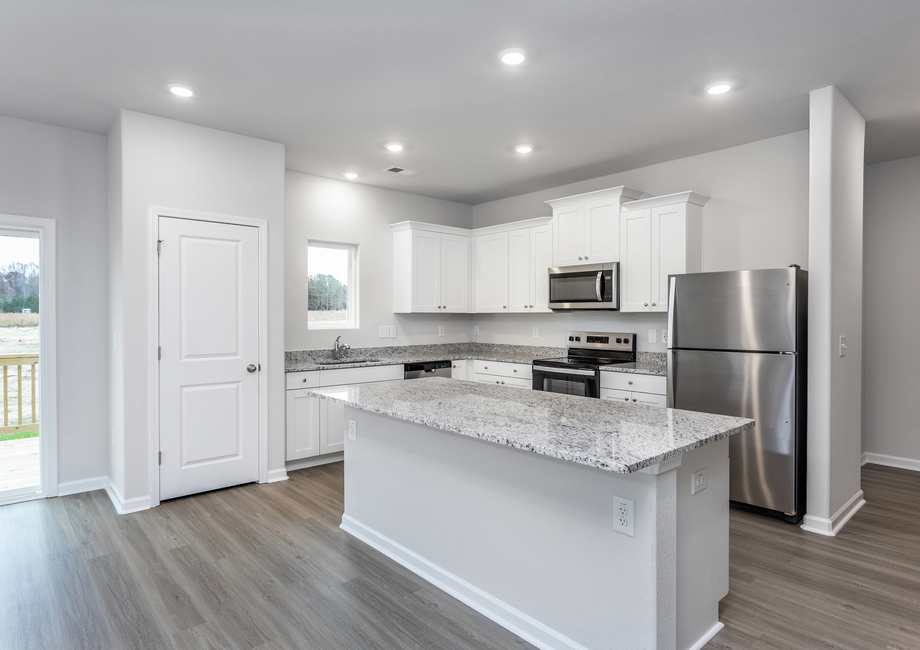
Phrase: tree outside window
x=331 y=286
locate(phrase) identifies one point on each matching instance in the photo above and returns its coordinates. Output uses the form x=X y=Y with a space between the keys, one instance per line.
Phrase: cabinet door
x=426 y=271
x=302 y=425
x=519 y=273
x=455 y=273
x=490 y=273
x=459 y=369
x=649 y=399
x=635 y=260
x=669 y=250
x=541 y=258
x=569 y=235
x=602 y=231
x=331 y=427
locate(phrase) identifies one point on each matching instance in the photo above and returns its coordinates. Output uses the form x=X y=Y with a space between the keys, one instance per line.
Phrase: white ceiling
x=609 y=85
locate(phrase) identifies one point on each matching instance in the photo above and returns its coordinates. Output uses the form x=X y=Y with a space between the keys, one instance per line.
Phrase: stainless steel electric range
x=579 y=372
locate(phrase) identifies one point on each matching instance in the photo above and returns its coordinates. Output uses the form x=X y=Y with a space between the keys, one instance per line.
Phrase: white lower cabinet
x=650 y=390
x=316 y=426
x=459 y=369
x=517 y=375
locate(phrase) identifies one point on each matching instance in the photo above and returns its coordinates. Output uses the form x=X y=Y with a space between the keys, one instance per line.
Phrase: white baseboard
x=83 y=485
x=316 y=460
x=125 y=506
x=892 y=461
x=706 y=638
x=863 y=460
x=275 y=475
x=830 y=527
x=508 y=617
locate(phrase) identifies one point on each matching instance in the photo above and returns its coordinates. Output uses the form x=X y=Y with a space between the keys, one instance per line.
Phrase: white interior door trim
x=153 y=293
x=47 y=350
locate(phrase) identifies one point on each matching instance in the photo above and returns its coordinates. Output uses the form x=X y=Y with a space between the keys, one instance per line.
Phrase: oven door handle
x=597 y=285
x=564 y=371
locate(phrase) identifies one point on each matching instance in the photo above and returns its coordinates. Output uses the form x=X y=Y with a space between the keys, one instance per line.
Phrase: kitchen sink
x=346 y=361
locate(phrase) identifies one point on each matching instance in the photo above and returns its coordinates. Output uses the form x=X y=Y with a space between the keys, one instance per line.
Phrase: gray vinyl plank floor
x=266 y=566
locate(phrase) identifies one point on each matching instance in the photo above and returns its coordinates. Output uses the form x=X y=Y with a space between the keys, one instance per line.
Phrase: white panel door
x=570 y=234
x=635 y=260
x=426 y=271
x=209 y=338
x=455 y=274
x=302 y=425
x=519 y=285
x=490 y=273
x=541 y=258
x=602 y=219
x=669 y=250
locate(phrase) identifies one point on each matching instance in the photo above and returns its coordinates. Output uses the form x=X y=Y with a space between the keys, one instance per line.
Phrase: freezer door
x=750 y=385
x=734 y=310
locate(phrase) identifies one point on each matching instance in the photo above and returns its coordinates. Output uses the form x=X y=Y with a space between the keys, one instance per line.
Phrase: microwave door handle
x=597 y=285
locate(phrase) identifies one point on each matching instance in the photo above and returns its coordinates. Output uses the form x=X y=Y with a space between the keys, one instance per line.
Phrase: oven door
x=590 y=286
x=568 y=381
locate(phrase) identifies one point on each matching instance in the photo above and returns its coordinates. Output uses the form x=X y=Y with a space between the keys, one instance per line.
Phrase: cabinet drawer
x=500 y=380
x=634 y=382
x=625 y=396
x=341 y=376
x=306 y=379
x=615 y=395
x=503 y=369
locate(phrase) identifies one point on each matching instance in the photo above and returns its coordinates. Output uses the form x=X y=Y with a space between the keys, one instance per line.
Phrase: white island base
x=531 y=541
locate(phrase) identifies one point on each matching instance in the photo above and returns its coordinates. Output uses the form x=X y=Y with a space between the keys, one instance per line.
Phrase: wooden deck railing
x=18 y=360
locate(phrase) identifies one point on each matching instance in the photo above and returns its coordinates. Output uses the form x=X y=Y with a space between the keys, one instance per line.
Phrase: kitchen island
x=568 y=520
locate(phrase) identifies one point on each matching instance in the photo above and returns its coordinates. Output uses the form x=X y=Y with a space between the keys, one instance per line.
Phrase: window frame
x=352 y=322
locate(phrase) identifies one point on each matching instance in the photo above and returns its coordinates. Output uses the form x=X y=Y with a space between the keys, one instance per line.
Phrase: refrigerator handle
x=672 y=294
x=672 y=361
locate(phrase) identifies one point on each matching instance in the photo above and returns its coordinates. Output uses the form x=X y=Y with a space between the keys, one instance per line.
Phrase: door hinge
x=159 y=458
x=159 y=353
x=159 y=245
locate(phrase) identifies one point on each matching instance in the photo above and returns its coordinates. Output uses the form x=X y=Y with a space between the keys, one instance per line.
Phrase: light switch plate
x=384 y=332
x=653 y=336
x=352 y=430
x=440 y=330
x=624 y=516
x=392 y=331
x=476 y=330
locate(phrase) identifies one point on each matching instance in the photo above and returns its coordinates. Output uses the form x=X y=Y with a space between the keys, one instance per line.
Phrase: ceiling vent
x=401 y=170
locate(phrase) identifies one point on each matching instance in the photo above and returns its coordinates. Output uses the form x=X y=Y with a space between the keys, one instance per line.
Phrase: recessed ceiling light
x=181 y=91
x=718 y=88
x=350 y=175
x=524 y=148
x=512 y=56
x=394 y=146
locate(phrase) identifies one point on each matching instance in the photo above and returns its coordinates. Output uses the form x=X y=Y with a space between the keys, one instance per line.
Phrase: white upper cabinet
x=490 y=273
x=431 y=268
x=659 y=237
x=529 y=258
x=586 y=226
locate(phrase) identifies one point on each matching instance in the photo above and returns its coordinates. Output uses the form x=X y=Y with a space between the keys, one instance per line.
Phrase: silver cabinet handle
x=630 y=383
x=515 y=369
x=485 y=367
x=646 y=304
x=503 y=382
x=531 y=306
x=626 y=398
x=252 y=368
x=455 y=366
x=634 y=399
x=305 y=381
x=579 y=257
x=586 y=257
x=597 y=284
x=654 y=304
x=504 y=307
x=496 y=381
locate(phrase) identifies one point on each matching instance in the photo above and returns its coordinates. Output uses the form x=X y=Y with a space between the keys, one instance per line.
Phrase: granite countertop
x=648 y=363
x=605 y=434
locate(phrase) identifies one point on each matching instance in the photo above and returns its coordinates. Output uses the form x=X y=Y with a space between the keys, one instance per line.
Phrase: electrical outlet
x=536 y=332
x=653 y=336
x=440 y=330
x=392 y=331
x=476 y=330
x=699 y=482
x=352 y=430
x=664 y=336
x=843 y=346
x=384 y=332
x=624 y=516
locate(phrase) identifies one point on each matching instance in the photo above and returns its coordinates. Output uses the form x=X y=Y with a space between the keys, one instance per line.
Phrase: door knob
x=252 y=368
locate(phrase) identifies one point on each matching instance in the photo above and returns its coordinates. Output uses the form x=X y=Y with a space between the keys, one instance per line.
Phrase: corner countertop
x=608 y=435
x=648 y=363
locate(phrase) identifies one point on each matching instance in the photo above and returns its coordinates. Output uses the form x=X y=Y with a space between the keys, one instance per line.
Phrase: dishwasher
x=427 y=369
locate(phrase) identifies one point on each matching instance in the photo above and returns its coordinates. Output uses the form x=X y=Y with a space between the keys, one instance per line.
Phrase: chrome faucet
x=338 y=348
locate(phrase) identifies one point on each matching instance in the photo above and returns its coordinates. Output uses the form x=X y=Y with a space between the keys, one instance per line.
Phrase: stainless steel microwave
x=587 y=286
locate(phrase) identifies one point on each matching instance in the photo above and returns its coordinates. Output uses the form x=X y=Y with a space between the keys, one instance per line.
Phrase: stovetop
x=591 y=350
x=581 y=362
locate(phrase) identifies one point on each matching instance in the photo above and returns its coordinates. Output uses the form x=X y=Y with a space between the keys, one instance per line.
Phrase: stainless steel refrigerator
x=737 y=346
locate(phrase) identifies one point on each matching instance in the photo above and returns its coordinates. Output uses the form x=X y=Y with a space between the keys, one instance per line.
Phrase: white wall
x=56 y=173
x=836 y=172
x=757 y=218
x=176 y=165
x=891 y=307
x=338 y=211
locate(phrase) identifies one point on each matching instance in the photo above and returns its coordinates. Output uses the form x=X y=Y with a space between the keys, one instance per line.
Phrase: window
x=332 y=296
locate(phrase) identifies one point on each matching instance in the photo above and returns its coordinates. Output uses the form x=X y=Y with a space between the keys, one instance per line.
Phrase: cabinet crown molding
x=430 y=227
x=512 y=225
x=622 y=190
x=667 y=199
